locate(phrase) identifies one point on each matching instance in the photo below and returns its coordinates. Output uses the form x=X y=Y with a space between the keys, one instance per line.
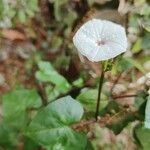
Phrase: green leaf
x=90 y=2
x=22 y=16
x=32 y=5
x=50 y=127
x=145 y=10
x=136 y=64
x=123 y=65
x=145 y=41
x=57 y=8
x=8 y=138
x=89 y=98
x=56 y=43
x=140 y=104
x=48 y=74
x=112 y=106
x=146 y=23
x=147 y=114
x=15 y=104
x=51 y=93
x=137 y=46
x=30 y=144
x=71 y=16
x=133 y=23
x=78 y=82
x=140 y=99
x=143 y=135
x=121 y=120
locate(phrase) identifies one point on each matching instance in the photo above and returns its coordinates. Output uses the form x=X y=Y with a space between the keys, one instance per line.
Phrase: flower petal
x=100 y=40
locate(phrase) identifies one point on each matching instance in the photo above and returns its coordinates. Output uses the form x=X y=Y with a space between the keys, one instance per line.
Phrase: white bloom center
x=101 y=42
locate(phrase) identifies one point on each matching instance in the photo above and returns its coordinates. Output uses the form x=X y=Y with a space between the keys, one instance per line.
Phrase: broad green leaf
x=143 y=135
x=8 y=138
x=50 y=127
x=89 y=99
x=51 y=93
x=15 y=104
x=48 y=74
x=30 y=144
x=147 y=114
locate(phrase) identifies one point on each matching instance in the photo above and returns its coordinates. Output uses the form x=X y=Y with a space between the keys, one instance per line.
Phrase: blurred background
x=38 y=33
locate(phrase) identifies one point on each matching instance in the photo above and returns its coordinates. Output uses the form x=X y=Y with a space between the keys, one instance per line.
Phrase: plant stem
x=99 y=91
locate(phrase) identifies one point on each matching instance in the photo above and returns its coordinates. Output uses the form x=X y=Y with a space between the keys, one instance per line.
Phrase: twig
x=124 y=96
x=82 y=124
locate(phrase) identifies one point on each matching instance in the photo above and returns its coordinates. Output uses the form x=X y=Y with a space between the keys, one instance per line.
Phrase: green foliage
x=121 y=121
x=52 y=124
x=15 y=105
x=128 y=63
x=63 y=13
x=56 y=43
x=47 y=73
x=138 y=19
x=137 y=46
x=145 y=41
x=18 y=9
x=143 y=136
x=78 y=82
x=16 y=115
x=89 y=98
x=123 y=65
x=139 y=100
x=112 y=106
x=24 y=120
x=7 y=137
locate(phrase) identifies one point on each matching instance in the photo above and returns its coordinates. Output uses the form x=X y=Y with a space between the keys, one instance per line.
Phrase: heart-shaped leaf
x=50 y=127
x=15 y=104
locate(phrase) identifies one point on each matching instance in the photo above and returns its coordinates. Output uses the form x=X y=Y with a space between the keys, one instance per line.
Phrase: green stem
x=99 y=91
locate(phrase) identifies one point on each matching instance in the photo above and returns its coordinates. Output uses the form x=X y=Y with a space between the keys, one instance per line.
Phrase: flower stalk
x=99 y=91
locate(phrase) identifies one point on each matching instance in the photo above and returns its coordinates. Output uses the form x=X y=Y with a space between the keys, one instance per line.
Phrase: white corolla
x=100 y=40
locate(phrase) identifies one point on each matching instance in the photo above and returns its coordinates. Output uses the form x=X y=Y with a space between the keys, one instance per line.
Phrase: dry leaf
x=12 y=34
x=124 y=7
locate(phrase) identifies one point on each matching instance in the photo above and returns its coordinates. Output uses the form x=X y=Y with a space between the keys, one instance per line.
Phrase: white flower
x=100 y=40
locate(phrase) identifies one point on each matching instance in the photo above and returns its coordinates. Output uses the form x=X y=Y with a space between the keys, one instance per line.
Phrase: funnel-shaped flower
x=100 y=40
